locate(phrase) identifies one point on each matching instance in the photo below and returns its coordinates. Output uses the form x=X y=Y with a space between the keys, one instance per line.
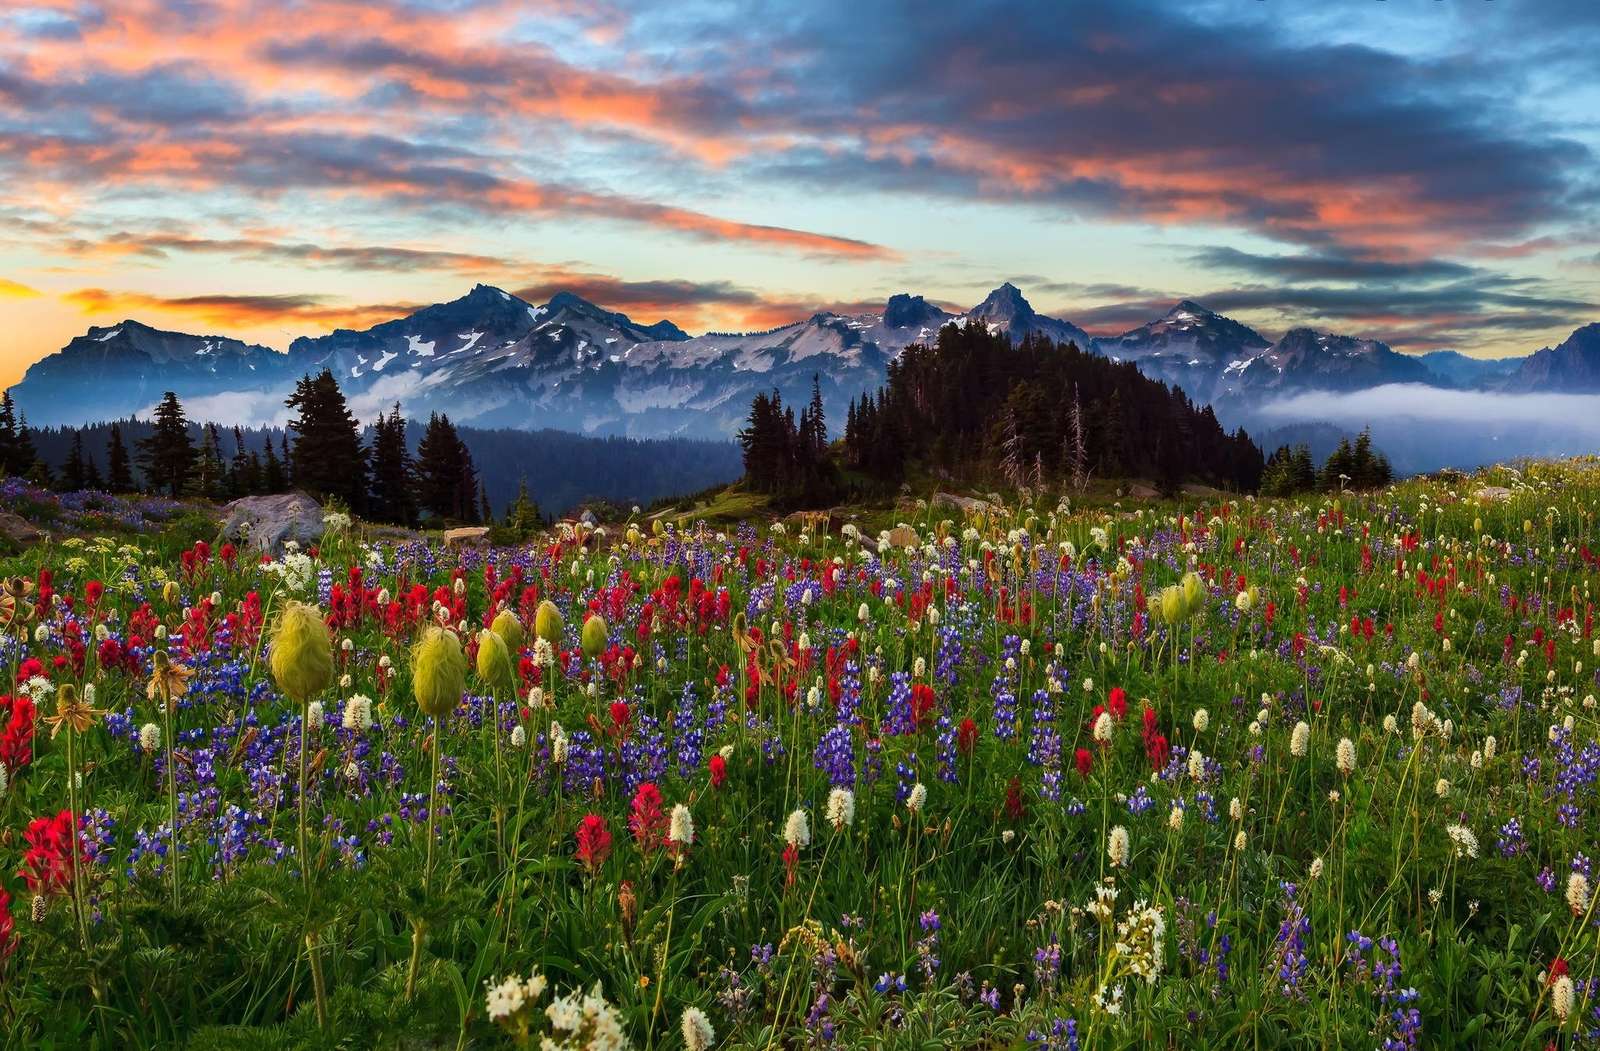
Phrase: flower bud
x=302 y=654
x=509 y=628
x=594 y=636
x=547 y=623
x=494 y=661
x=438 y=672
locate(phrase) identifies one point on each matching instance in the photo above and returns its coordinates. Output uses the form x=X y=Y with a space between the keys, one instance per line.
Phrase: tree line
x=390 y=470
x=1353 y=465
x=1036 y=412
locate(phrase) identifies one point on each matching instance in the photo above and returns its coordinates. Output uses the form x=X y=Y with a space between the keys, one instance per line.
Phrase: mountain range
x=491 y=359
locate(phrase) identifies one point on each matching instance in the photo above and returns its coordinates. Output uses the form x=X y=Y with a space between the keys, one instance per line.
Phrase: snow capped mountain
x=109 y=371
x=492 y=359
x=484 y=318
x=1571 y=368
x=1005 y=311
x=1305 y=359
x=1189 y=347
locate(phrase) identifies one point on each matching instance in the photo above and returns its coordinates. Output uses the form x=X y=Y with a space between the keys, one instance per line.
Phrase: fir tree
x=73 y=473
x=243 y=474
x=447 y=483
x=393 y=499
x=119 y=470
x=167 y=457
x=10 y=462
x=523 y=519
x=328 y=458
x=210 y=477
x=273 y=478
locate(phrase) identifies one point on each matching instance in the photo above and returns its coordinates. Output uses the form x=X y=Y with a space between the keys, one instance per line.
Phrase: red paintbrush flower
x=594 y=842
x=646 y=819
x=719 y=770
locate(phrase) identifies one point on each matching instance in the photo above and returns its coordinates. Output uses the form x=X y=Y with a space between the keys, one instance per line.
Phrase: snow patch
x=387 y=357
x=109 y=335
x=420 y=347
x=471 y=339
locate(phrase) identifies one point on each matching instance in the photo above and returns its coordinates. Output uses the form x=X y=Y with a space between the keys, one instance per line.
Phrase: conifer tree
x=167 y=456
x=328 y=458
x=119 y=469
x=210 y=478
x=243 y=476
x=9 y=459
x=447 y=482
x=393 y=499
x=273 y=478
x=73 y=475
x=91 y=473
x=523 y=519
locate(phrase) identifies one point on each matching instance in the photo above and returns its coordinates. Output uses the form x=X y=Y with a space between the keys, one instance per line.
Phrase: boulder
x=1490 y=493
x=17 y=529
x=268 y=521
x=474 y=535
x=903 y=536
x=968 y=504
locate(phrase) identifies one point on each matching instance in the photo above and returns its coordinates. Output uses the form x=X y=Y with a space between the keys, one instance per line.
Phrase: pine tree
x=9 y=459
x=328 y=459
x=523 y=519
x=210 y=477
x=485 y=511
x=243 y=477
x=167 y=457
x=393 y=499
x=119 y=476
x=73 y=475
x=27 y=456
x=91 y=474
x=447 y=482
x=273 y=478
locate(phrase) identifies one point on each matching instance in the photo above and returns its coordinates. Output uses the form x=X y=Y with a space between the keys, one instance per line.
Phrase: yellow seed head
x=438 y=672
x=594 y=636
x=494 y=661
x=547 y=623
x=509 y=628
x=302 y=653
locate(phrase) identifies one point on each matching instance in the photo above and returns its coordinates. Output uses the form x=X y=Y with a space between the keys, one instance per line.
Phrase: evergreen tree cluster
x=1038 y=411
x=17 y=453
x=784 y=456
x=1353 y=465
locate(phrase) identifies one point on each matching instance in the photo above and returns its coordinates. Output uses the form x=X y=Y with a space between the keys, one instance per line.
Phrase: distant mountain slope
x=492 y=359
x=1573 y=367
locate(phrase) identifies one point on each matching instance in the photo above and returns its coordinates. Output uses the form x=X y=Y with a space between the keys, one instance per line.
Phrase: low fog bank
x=1423 y=428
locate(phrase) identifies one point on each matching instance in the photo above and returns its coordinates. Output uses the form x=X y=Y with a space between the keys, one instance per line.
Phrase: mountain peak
x=904 y=310
x=1187 y=306
x=1004 y=302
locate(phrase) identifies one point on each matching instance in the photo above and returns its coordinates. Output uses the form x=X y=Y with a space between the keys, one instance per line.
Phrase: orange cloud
x=13 y=290
x=242 y=311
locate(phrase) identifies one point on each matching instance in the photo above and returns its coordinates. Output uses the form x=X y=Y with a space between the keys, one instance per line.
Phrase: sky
x=1416 y=171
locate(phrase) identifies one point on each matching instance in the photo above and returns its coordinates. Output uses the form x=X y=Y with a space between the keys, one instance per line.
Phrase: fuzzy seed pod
x=438 y=672
x=594 y=636
x=547 y=623
x=1193 y=592
x=494 y=661
x=1172 y=605
x=509 y=628
x=302 y=653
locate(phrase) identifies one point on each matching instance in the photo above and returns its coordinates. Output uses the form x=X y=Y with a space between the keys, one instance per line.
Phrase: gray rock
x=969 y=504
x=17 y=529
x=467 y=535
x=1490 y=493
x=268 y=521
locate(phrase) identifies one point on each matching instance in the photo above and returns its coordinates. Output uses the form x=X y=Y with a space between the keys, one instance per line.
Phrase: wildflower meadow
x=1042 y=773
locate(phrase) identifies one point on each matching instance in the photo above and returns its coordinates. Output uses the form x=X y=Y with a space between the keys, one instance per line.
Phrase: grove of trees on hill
x=1037 y=411
x=392 y=470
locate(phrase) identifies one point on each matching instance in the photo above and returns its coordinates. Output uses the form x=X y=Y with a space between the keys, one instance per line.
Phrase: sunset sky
x=1416 y=171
